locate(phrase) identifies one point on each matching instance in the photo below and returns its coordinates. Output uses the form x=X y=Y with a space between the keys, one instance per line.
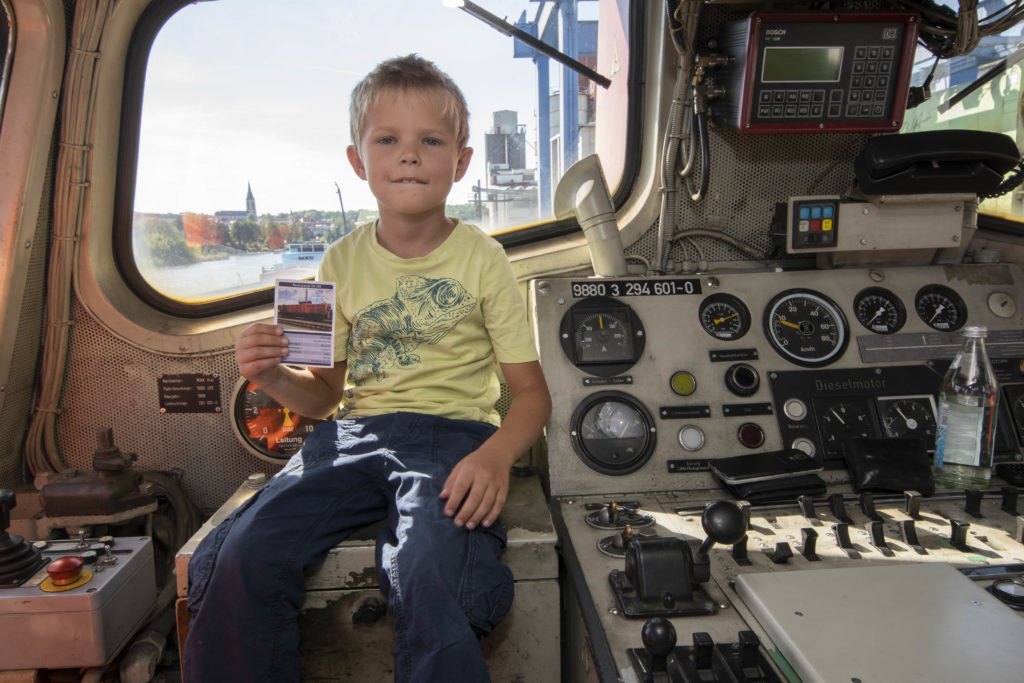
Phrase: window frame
x=146 y=30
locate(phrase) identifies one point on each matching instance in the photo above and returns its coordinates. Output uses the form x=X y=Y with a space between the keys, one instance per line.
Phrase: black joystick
x=659 y=636
x=723 y=522
x=19 y=559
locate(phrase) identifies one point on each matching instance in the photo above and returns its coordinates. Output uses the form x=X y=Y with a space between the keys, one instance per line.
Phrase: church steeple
x=250 y=202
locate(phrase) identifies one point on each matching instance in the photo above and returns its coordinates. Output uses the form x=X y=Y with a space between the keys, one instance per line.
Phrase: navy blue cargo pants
x=445 y=584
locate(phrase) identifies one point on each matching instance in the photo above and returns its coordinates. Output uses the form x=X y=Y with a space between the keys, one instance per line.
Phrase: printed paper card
x=305 y=310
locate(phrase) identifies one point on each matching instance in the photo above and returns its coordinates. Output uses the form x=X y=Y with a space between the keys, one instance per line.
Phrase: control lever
x=809 y=542
x=806 y=504
x=909 y=532
x=972 y=502
x=837 y=504
x=723 y=523
x=842 y=533
x=877 y=532
x=19 y=559
x=1009 y=505
x=739 y=552
x=867 y=506
x=912 y=504
x=958 y=535
x=659 y=638
x=781 y=554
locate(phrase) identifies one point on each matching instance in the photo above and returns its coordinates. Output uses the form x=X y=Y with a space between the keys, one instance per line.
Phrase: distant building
x=229 y=217
x=511 y=190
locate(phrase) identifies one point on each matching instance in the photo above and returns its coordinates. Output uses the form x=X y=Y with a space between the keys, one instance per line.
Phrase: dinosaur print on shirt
x=387 y=332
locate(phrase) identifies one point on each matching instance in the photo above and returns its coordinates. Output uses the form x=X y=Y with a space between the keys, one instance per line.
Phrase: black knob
x=659 y=637
x=723 y=522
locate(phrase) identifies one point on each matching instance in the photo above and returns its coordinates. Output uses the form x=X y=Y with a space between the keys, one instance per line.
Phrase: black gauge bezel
x=959 y=306
x=861 y=405
x=239 y=420
x=601 y=456
x=890 y=298
x=728 y=300
x=615 y=364
x=886 y=405
x=817 y=297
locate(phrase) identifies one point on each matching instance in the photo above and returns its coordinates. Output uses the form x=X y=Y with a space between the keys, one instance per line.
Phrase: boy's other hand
x=476 y=490
x=259 y=351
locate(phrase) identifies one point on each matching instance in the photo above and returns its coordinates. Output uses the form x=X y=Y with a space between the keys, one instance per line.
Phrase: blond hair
x=411 y=73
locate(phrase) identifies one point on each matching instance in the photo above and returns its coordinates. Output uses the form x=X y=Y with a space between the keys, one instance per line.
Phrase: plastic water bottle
x=968 y=403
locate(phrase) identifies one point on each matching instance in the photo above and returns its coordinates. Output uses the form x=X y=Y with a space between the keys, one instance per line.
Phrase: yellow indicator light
x=683 y=383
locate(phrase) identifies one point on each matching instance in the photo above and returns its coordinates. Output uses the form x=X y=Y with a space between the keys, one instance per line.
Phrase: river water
x=214 y=279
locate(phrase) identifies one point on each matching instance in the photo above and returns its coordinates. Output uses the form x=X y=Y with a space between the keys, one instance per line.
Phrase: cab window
x=977 y=91
x=241 y=175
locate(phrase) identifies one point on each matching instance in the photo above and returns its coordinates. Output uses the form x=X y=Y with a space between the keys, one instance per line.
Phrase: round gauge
x=724 y=317
x=805 y=327
x=843 y=421
x=940 y=308
x=612 y=432
x=265 y=427
x=602 y=336
x=879 y=310
x=908 y=417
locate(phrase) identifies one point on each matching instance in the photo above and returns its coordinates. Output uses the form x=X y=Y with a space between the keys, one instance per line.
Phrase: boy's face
x=408 y=154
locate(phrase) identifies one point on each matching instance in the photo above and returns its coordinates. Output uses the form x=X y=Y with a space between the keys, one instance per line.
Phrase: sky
x=256 y=92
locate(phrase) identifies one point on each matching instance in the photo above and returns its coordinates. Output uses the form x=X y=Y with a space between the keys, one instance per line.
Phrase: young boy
x=427 y=306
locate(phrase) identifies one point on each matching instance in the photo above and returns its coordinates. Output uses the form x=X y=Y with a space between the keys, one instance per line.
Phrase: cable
x=947 y=33
x=71 y=195
x=1011 y=182
x=728 y=239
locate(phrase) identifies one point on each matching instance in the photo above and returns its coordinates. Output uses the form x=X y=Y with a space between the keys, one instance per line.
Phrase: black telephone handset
x=942 y=161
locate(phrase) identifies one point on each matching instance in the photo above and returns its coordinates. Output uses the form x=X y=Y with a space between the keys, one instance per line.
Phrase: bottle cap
x=975 y=331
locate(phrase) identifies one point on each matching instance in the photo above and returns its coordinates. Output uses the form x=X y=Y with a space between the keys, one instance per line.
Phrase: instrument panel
x=652 y=378
x=667 y=576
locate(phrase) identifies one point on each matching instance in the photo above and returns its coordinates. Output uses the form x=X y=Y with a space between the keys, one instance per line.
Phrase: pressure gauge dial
x=879 y=310
x=612 y=432
x=602 y=336
x=908 y=417
x=724 y=317
x=265 y=427
x=844 y=420
x=805 y=327
x=940 y=308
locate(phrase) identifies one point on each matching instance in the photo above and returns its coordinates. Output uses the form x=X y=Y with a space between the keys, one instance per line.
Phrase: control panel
x=673 y=577
x=807 y=72
x=654 y=378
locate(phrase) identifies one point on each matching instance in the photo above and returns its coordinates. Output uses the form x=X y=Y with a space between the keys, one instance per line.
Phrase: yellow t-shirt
x=424 y=334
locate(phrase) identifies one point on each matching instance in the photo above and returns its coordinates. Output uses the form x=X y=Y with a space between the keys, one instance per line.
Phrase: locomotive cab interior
x=750 y=237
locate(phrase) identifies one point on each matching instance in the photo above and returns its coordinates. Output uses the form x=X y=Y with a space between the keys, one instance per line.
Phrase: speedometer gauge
x=805 y=327
x=724 y=317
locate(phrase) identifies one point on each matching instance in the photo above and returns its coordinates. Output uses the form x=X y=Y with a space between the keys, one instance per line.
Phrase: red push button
x=65 y=570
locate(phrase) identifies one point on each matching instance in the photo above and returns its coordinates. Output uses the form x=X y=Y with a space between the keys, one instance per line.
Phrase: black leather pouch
x=889 y=465
x=785 y=490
